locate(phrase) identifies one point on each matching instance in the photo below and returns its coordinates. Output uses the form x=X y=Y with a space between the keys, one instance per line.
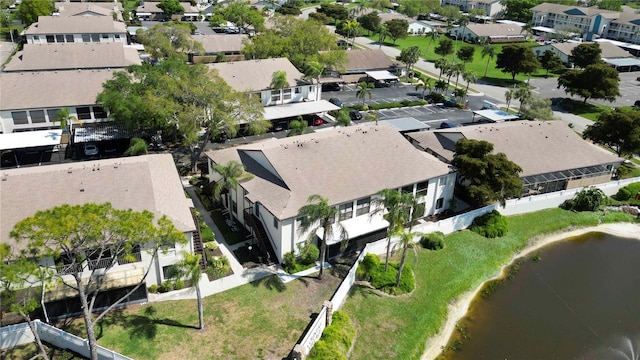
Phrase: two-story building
x=255 y=77
x=111 y=9
x=492 y=33
x=76 y=29
x=348 y=166
x=491 y=7
x=589 y=22
x=625 y=28
x=227 y=46
x=148 y=182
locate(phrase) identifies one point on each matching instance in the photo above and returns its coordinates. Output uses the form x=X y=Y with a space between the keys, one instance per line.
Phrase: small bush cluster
x=166 y=286
x=397 y=104
x=366 y=266
x=386 y=280
x=218 y=266
x=309 y=253
x=137 y=146
x=490 y=225
x=336 y=339
x=589 y=199
x=628 y=192
x=433 y=241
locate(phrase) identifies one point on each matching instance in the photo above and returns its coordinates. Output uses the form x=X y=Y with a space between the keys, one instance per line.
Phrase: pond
x=574 y=299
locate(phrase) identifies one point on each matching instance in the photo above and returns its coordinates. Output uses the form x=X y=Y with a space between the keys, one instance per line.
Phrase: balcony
x=66 y=269
x=131 y=258
x=100 y=264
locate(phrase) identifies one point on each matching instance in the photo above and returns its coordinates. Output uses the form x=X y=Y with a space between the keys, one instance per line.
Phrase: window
x=99 y=113
x=50 y=38
x=275 y=222
x=298 y=90
x=19 y=117
x=299 y=221
x=439 y=203
x=60 y=38
x=234 y=206
x=407 y=189
x=275 y=95
x=36 y=38
x=95 y=37
x=37 y=116
x=52 y=114
x=70 y=38
x=86 y=38
x=168 y=272
x=443 y=181
x=287 y=94
x=346 y=211
x=117 y=36
x=105 y=36
x=84 y=113
x=422 y=188
x=363 y=206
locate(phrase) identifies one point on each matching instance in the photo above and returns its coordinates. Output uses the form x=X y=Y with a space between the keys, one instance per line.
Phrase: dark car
x=355 y=115
x=331 y=87
x=447 y=125
x=637 y=104
x=449 y=102
x=336 y=102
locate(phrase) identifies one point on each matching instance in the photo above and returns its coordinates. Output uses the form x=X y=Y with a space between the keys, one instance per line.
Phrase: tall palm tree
x=279 y=82
x=523 y=94
x=383 y=33
x=66 y=119
x=489 y=52
x=406 y=240
x=424 y=85
x=441 y=86
x=351 y=26
x=189 y=268
x=458 y=69
x=372 y=116
x=508 y=95
x=232 y=174
x=364 y=90
x=432 y=36
x=318 y=214
x=444 y=65
x=397 y=206
x=470 y=77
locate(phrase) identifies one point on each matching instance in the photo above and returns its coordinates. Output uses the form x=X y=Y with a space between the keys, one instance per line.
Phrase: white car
x=90 y=150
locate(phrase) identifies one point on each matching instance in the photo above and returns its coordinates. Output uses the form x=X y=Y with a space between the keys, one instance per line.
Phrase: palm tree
x=351 y=26
x=372 y=116
x=232 y=174
x=459 y=93
x=189 y=268
x=441 y=86
x=364 y=90
x=383 y=33
x=397 y=206
x=318 y=214
x=458 y=69
x=489 y=52
x=279 y=82
x=463 y=22
x=470 y=77
x=298 y=127
x=523 y=94
x=66 y=119
x=432 y=35
x=406 y=240
x=424 y=85
x=444 y=65
x=508 y=95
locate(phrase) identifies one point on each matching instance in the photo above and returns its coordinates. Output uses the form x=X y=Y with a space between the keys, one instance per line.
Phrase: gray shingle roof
x=68 y=56
x=76 y=25
x=44 y=89
x=98 y=8
x=609 y=51
x=255 y=75
x=148 y=182
x=364 y=60
x=539 y=147
x=341 y=164
x=587 y=11
x=221 y=43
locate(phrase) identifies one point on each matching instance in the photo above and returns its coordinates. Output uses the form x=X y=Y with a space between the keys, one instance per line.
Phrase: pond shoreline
x=458 y=309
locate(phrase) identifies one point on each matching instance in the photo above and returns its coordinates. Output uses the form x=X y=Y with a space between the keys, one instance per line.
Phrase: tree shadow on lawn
x=139 y=326
x=500 y=81
x=271 y=282
x=364 y=291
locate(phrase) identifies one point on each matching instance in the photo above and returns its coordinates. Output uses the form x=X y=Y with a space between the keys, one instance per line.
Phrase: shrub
x=206 y=233
x=219 y=266
x=367 y=265
x=137 y=146
x=336 y=339
x=289 y=262
x=589 y=199
x=627 y=192
x=433 y=241
x=211 y=245
x=309 y=254
x=490 y=225
x=153 y=288
x=178 y=284
x=386 y=280
x=166 y=286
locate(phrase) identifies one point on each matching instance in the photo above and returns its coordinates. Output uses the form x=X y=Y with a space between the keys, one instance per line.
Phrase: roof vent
x=5 y=177
x=69 y=170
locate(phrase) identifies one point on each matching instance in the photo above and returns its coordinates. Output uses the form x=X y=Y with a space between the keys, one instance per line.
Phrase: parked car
x=313 y=119
x=355 y=115
x=90 y=150
x=449 y=102
x=331 y=87
x=336 y=102
x=447 y=125
x=280 y=125
x=638 y=78
x=637 y=104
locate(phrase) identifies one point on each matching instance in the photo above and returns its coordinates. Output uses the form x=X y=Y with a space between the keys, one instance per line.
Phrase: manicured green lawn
x=588 y=111
x=397 y=328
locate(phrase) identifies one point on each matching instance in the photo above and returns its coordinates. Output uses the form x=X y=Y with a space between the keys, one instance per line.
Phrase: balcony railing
x=66 y=269
x=132 y=258
x=100 y=264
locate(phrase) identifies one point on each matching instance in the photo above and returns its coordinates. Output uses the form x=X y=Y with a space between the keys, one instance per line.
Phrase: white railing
x=20 y=334
x=343 y=290
x=314 y=331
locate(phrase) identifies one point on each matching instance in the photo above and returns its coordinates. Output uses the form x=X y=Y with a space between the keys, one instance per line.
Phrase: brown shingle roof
x=255 y=75
x=539 y=147
x=76 y=25
x=34 y=90
x=67 y=56
x=364 y=60
x=221 y=43
x=148 y=182
x=75 y=8
x=587 y=11
x=609 y=51
x=341 y=164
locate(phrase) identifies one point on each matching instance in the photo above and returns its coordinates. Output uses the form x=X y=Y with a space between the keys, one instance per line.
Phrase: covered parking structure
x=566 y=179
x=494 y=115
x=624 y=64
x=29 y=147
x=111 y=139
x=298 y=109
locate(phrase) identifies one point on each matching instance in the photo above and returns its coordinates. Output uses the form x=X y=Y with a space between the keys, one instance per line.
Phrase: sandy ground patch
x=459 y=308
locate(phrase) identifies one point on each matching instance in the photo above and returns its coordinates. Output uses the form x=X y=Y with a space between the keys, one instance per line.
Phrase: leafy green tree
x=397 y=29
x=137 y=146
x=396 y=207
x=465 y=53
x=409 y=56
x=477 y=12
x=550 y=61
x=342 y=118
x=336 y=12
x=589 y=199
x=289 y=9
x=243 y=15
x=189 y=268
x=618 y=129
x=489 y=52
x=516 y=59
x=537 y=108
x=451 y=13
x=444 y=48
x=318 y=214
x=364 y=90
x=29 y=10
x=586 y=54
x=91 y=234
x=613 y=5
x=231 y=175
x=370 y=22
x=413 y=8
x=298 y=127
x=171 y=7
x=519 y=10
x=169 y=40
x=279 y=82
x=488 y=177
x=597 y=81
x=380 y=4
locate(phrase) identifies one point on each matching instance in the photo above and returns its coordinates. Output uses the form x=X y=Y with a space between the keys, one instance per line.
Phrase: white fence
x=446 y=226
x=20 y=334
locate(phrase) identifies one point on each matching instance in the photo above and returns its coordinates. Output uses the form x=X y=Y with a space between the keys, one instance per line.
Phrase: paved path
x=6 y=49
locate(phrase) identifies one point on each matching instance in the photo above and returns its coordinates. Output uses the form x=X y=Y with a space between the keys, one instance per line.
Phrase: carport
x=494 y=115
x=111 y=139
x=22 y=144
x=624 y=64
x=296 y=109
x=403 y=125
x=381 y=75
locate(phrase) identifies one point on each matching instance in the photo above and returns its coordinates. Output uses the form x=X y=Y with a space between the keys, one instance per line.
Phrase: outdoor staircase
x=198 y=247
x=261 y=235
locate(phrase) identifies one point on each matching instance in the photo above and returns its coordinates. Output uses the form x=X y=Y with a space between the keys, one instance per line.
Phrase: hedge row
x=336 y=339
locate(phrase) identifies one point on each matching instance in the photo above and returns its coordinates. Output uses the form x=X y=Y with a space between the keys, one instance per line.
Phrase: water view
x=581 y=300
